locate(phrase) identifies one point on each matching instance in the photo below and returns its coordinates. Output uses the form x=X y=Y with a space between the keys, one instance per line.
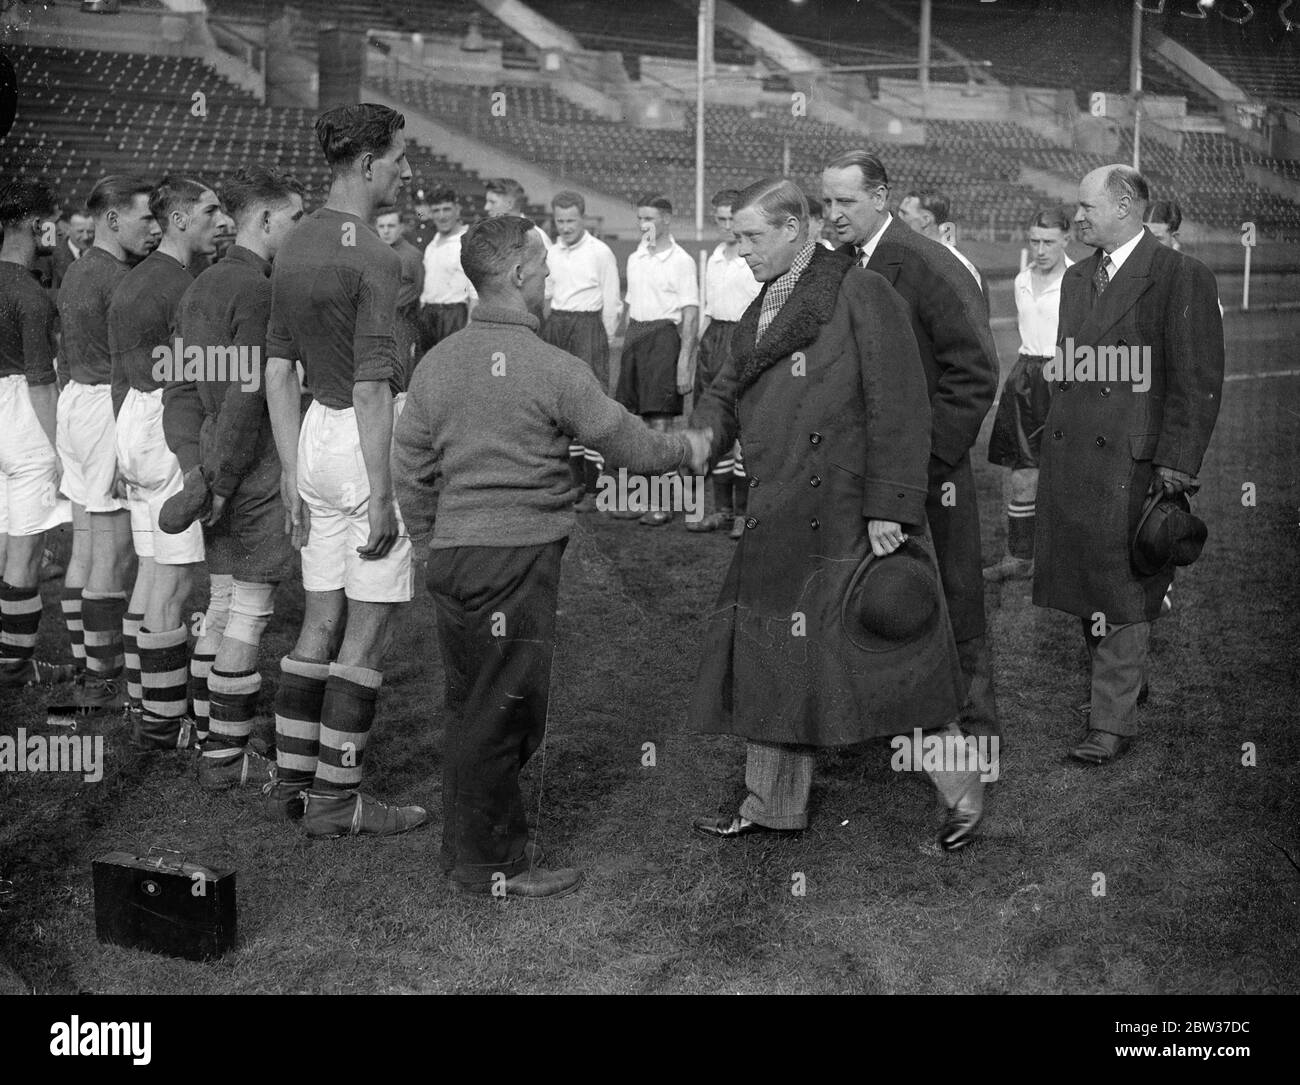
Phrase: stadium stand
x=84 y=113
x=665 y=30
x=844 y=32
x=1260 y=57
x=458 y=19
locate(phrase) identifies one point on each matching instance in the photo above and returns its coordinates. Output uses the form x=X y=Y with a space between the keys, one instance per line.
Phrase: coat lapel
x=799 y=321
x=889 y=262
x=1130 y=283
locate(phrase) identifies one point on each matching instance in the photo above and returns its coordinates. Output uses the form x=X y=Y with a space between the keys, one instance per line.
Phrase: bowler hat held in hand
x=1168 y=532
x=892 y=601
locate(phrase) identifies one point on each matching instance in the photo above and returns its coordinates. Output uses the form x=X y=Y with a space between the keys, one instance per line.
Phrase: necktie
x=862 y=255
x=1102 y=279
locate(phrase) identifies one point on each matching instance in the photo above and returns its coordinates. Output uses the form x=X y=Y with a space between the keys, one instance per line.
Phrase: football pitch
x=1195 y=833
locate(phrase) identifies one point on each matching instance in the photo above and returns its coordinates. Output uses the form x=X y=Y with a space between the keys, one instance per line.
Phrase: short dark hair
x=347 y=132
x=116 y=191
x=726 y=197
x=657 y=201
x=21 y=198
x=258 y=186
x=873 y=170
x=569 y=198
x=175 y=194
x=441 y=194
x=1051 y=218
x=777 y=199
x=935 y=202
x=1124 y=181
x=1166 y=211
x=491 y=247
x=507 y=186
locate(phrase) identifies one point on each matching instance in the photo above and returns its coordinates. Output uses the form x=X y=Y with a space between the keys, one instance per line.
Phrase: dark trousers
x=496 y=624
x=582 y=335
x=435 y=322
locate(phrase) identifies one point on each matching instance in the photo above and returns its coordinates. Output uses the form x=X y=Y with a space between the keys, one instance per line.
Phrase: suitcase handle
x=160 y=862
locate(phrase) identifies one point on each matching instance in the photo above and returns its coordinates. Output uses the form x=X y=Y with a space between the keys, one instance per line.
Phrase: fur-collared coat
x=832 y=410
x=1103 y=438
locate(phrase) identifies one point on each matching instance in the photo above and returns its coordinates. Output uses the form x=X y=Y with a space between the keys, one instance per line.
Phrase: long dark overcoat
x=832 y=410
x=1103 y=438
x=949 y=318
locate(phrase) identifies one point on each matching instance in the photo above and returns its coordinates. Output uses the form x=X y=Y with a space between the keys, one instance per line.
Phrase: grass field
x=1198 y=851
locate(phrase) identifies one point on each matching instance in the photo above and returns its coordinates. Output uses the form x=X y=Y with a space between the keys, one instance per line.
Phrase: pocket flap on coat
x=1143 y=445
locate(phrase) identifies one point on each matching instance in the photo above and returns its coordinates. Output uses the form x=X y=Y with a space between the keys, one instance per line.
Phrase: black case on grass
x=163 y=904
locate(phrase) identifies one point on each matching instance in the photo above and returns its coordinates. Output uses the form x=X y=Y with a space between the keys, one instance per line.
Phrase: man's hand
x=886 y=536
x=1173 y=481
x=700 y=440
x=685 y=378
x=382 y=514
x=217 y=510
x=118 y=488
x=297 y=520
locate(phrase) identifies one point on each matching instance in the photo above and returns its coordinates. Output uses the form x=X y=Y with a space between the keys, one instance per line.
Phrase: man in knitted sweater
x=480 y=463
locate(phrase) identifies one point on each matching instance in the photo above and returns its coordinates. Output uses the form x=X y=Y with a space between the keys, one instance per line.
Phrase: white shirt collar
x=644 y=250
x=869 y=247
x=577 y=244
x=1121 y=254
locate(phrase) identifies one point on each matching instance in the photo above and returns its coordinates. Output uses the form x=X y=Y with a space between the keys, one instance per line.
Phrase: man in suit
x=81 y=235
x=950 y=321
x=1114 y=437
x=825 y=381
x=929 y=213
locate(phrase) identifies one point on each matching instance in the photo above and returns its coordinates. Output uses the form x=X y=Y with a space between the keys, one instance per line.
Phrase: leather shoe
x=731 y=828
x=657 y=519
x=533 y=884
x=1100 y=748
x=713 y=522
x=959 y=826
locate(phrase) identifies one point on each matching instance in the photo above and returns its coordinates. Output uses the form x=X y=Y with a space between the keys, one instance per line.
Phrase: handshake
x=698 y=442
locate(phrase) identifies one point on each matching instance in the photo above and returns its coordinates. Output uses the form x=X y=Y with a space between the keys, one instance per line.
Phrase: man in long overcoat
x=1112 y=438
x=826 y=390
x=949 y=318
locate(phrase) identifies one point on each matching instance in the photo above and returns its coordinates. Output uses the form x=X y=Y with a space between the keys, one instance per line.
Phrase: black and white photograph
x=651 y=497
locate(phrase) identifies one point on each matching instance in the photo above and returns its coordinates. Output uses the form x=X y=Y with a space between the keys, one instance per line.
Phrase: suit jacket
x=1103 y=437
x=949 y=319
x=832 y=409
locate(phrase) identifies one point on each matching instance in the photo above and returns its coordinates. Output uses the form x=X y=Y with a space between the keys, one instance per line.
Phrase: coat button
x=752 y=482
x=815 y=438
x=1105 y=390
x=816 y=480
x=752 y=523
x=814 y=523
x=1101 y=442
x=1057 y=435
x=1064 y=386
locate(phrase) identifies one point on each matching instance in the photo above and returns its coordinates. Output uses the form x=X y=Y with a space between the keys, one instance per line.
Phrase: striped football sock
x=298 y=706
x=164 y=667
x=20 y=618
x=70 y=604
x=346 y=716
x=234 y=704
x=1020 y=529
x=102 y=620
x=204 y=654
x=131 y=654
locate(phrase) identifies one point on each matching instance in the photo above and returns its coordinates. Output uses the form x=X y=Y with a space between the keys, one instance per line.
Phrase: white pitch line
x=1261 y=376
